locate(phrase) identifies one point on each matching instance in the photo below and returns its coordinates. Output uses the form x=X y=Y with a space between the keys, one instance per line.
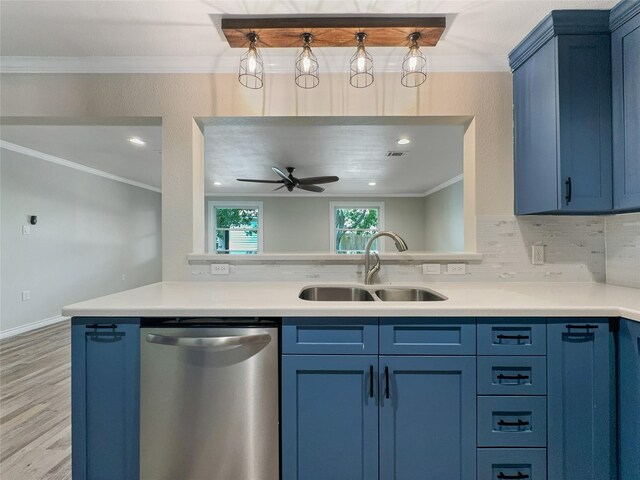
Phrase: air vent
x=396 y=154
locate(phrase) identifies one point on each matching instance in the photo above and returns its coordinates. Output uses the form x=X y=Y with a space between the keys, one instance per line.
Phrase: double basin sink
x=372 y=294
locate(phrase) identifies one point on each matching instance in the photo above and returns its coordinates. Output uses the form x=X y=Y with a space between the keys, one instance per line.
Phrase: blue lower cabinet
x=629 y=398
x=505 y=375
x=579 y=423
x=105 y=371
x=513 y=464
x=512 y=421
x=329 y=417
x=427 y=418
x=427 y=336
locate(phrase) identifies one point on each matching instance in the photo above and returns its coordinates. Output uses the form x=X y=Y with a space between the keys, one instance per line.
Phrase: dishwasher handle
x=199 y=342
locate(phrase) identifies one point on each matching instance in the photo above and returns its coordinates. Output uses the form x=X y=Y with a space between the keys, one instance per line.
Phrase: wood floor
x=35 y=405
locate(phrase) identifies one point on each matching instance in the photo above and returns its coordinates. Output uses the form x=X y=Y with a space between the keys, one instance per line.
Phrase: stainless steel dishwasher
x=209 y=399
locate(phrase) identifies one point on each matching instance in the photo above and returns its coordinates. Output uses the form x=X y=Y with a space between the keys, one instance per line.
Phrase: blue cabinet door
x=578 y=401
x=427 y=418
x=584 y=119
x=535 y=136
x=629 y=397
x=626 y=114
x=105 y=368
x=329 y=417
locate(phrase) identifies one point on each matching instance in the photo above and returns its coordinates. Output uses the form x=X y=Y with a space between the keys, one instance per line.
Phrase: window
x=235 y=228
x=353 y=224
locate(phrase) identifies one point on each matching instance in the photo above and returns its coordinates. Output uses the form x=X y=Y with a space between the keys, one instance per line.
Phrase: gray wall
x=299 y=224
x=90 y=232
x=623 y=249
x=444 y=219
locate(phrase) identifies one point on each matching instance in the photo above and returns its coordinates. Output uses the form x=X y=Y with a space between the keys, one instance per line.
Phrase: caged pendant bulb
x=414 y=64
x=307 y=65
x=251 y=68
x=361 y=64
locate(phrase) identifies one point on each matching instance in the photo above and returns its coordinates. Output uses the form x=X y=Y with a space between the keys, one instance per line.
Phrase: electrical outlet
x=26 y=229
x=456 y=268
x=537 y=254
x=431 y=269
x=124 y=277
x=26 y=295
x=219 y=269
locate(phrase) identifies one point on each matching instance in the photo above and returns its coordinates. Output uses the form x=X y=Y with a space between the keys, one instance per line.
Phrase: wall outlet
x=26 y=295
x=26 y=229
x=537 y=254
x=431 y=269
x=124 y=277
x=456 y=268
x=219 y=269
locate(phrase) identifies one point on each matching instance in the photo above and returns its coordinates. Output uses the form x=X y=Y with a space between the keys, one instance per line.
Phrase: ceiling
x=105 y=148
x=185 y=36
x=354 y=149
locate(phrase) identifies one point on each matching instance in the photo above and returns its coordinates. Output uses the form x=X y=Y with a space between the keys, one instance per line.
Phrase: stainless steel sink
x=399 y=294
x=336 y=294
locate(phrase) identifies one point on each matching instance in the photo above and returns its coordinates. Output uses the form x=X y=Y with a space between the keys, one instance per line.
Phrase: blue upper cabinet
x=427 y=418
x=625 y=57
x=105 y=398
x=629 y=397
x=330 y=417
x=578 y=401
x=562 y=115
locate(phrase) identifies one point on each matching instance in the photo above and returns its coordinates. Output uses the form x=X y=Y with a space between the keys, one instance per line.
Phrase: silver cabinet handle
x=209 y=341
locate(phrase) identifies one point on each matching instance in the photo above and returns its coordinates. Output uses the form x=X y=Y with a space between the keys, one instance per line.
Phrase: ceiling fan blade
x=257 y=181
x=281 y=174
x=311 y=188
x=314 y=180
x=281 y=186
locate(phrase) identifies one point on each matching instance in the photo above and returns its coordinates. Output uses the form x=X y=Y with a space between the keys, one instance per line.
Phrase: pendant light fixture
x=307 y=64
x=361 y=64
x=414 y=64
x=251 y=68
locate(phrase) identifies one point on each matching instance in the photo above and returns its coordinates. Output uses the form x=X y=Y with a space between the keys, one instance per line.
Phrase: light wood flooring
x=35 y=405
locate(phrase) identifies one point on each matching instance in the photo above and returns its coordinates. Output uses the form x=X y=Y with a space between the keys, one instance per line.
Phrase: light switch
x=431 y=269
x=26 y=229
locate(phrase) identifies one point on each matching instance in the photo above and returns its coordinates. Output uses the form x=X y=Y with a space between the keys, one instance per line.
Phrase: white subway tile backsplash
x=574 y=248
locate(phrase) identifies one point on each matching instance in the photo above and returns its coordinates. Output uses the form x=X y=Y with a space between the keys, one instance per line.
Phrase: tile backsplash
x=623 y=249
x=574 y=252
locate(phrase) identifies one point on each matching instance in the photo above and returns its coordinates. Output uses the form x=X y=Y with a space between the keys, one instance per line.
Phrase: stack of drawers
x=511 y=402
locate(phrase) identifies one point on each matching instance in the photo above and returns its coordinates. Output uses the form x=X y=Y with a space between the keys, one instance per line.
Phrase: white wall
x=444 y=219
x=299 y=224
x=90 y=232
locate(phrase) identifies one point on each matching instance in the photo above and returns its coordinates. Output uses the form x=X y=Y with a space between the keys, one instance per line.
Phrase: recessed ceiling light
x=404 y=141
x=137 y=141
x=372 y=184
x=217 y=184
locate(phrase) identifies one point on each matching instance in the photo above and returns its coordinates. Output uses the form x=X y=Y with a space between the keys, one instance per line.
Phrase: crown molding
x=76 y=166
x=274 y=64
x=443 y=185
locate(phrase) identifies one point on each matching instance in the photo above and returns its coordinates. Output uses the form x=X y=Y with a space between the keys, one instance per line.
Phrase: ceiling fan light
x=414 y=64
x=361 y=65
x=251 y=74
x=307 y=65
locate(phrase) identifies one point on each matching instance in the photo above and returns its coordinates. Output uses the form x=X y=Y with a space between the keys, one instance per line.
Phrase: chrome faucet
x=369 y=271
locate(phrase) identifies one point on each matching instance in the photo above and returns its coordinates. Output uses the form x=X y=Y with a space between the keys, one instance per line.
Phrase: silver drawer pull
x=209 y=341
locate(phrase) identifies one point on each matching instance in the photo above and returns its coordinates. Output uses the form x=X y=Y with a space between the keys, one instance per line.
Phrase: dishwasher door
x=209 y=404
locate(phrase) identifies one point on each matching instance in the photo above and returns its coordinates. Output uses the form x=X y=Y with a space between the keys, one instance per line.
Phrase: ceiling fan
x=290 y=182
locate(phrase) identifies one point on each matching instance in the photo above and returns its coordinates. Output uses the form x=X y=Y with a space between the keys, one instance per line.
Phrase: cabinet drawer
x=356 y=336
x=512 y=375
x=512 y=464
x=427 y=336
x=512 y=421
x=512 y=336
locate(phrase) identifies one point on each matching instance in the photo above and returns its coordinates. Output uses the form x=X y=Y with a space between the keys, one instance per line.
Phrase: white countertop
x=274 y=299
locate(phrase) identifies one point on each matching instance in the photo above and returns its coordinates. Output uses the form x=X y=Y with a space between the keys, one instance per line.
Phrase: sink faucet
x=370 y=271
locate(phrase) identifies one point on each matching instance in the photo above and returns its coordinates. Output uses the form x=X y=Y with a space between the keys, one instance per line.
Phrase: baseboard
x=31 y=326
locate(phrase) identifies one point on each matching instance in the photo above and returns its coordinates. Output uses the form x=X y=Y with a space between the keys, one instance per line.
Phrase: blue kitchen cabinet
x=427 y=418
x=629 y=399
x=578 y=402
x=329 y=417
x=105 y=370
x=625 y=58
x=562 y=115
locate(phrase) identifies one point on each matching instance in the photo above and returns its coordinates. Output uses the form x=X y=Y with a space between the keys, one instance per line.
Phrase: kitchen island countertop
x=280 y=299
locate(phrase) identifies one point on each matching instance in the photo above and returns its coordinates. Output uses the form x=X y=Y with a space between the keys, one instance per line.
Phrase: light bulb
x=251 y=61
x=306 y=64
x=413 y=63
x=361 y=61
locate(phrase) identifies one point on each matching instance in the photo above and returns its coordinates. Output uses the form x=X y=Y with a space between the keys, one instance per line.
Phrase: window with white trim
x=235 y=228
x=353 y=224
